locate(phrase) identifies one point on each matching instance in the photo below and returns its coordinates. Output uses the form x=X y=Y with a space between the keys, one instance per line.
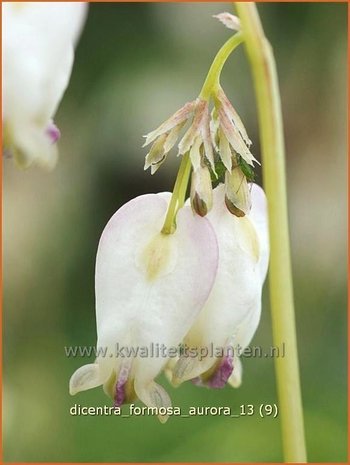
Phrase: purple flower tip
x=222 y=374
x=120 y=386
x=53 y=132
x=119 y=393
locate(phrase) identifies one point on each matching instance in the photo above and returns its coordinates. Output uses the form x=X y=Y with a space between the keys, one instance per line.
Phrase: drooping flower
x=150 y=287
x=231 y=314
x=38 y=50
x=210 y=139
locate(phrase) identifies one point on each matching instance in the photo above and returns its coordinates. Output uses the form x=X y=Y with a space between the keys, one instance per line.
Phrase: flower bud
x=201 y=191
x=237 y=195
x=156 y=156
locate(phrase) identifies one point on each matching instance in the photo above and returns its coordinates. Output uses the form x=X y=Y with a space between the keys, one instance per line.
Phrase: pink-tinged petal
x=180 y=116
x=122 y=380
x=221 y=375
x=233 y=115
x=228 y=20
x=234 y=137
x=193 y=131
x=150 y=288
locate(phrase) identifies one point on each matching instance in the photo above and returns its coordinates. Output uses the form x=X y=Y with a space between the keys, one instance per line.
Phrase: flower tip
x=85 y=377
x=146 y=141
x=199 y=206
x=233 y=209
x=163 y=418
x=176 y=381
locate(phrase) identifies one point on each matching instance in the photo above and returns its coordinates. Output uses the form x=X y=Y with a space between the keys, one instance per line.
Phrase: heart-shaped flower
x=231 y=314
x=38 y=51
x=150 y=287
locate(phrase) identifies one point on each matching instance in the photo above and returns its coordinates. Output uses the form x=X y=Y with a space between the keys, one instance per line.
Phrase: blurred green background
x=135 y=65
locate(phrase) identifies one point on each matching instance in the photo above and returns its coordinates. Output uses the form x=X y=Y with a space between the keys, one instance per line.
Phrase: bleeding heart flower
x=150 y=287
x=38 y=51
x=231 y=314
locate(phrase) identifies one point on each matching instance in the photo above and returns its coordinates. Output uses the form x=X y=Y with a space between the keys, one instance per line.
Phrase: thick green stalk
x=280 y=276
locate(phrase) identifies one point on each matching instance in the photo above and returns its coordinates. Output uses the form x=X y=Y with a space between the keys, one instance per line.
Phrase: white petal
x=153 y=395
x=38 y=49
x=225 y=150
x=259 y=217
x=234 y=305
x=195 y=155
x=150 y=287
x=85 y=377
x=235 y=380
x=178 y=118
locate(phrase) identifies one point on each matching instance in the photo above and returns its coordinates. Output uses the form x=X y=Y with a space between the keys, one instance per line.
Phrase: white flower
x=231 y=314
x=38 y=51
x=150 y=288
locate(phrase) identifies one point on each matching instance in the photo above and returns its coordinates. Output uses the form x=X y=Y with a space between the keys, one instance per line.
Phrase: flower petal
x=85 y=377
x=150 y=287
x=34 y=83
x=234 y=137
x=180 y=116
x=225 y=150
x=233 y=307
x=193 y=131
x=233 y=115
x=153 y=395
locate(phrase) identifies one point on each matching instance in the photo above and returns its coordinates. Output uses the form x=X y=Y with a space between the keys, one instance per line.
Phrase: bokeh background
x=135 y=65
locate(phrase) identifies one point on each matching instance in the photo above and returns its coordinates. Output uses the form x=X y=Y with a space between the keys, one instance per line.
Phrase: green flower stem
x=210 y=84
x=281 y=289
x=212 y=80
x=178 y=196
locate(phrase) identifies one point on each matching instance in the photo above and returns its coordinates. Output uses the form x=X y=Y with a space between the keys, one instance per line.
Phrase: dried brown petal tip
x=237 y=194
x=156 y=156
x=233 y=209
x=199 y=206
x=201 y=191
